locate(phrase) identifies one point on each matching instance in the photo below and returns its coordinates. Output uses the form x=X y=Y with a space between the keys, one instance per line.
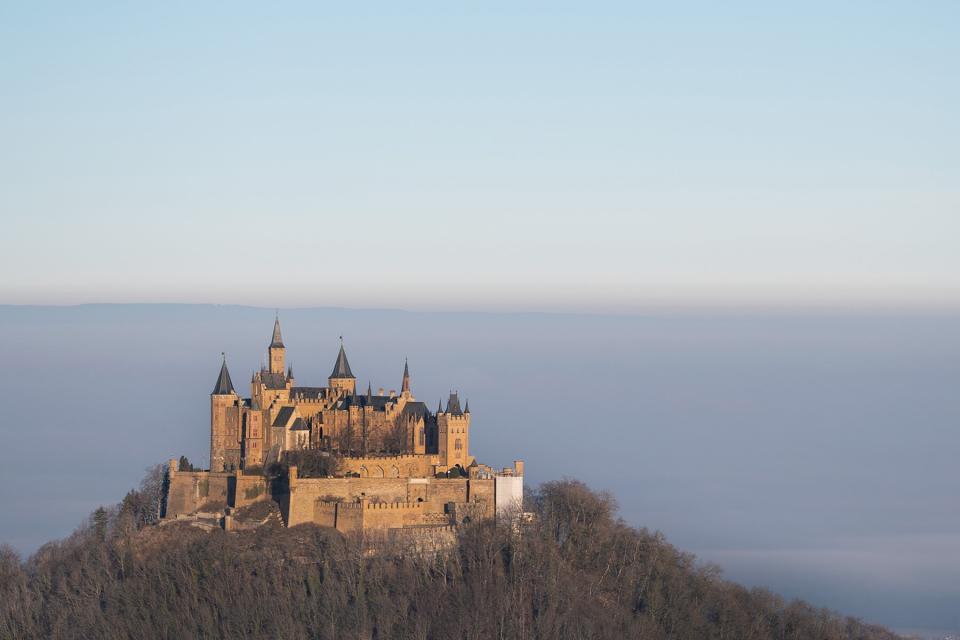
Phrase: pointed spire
x=277 y=340
x=341 y=369
x=290 y=371
x=405 y=385
x=224 y=386
x=440 y=406
x=466 y=409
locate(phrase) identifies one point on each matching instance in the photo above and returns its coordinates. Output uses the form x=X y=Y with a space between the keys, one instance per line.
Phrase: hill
x=572 y=571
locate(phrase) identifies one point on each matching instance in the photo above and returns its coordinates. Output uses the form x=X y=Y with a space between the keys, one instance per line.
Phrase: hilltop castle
x=398 y=465
x=280 y=416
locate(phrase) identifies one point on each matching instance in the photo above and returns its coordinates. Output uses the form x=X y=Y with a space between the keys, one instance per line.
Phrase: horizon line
x=885 y=307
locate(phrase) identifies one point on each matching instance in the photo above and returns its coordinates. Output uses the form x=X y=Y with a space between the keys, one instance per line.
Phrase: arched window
x=458 y=445
x=421 y=437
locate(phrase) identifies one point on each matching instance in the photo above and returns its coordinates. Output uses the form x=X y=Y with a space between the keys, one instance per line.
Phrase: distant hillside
x=573 y=572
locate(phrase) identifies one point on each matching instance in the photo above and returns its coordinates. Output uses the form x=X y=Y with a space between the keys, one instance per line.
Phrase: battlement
x=392 y=505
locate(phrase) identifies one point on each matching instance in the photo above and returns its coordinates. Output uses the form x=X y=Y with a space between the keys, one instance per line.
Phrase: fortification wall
x=366 y=516
x=483 y=491
x=313 y=499
x=393 y=516
x=250 y=489
x=191 y=490
x=306 y=492
x=406 y=466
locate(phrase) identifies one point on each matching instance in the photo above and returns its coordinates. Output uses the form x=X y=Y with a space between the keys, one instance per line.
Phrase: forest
x=572 y=570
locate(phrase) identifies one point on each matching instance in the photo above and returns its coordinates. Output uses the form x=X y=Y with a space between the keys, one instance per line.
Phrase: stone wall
x=250 y=489
x=408 y=466
x=372 y=516
x=189 y=491
x=310 y=499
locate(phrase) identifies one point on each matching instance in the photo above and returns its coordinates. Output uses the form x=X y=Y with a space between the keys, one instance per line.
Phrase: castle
x=398 y=465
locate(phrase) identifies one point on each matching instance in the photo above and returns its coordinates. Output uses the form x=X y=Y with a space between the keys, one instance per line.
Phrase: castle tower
x=276 y=350
x=224 y=423
x=453 y=432
x=405 y=385
x=342 y=377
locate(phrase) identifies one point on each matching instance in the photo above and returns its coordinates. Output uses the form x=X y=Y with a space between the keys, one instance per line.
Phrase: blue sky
x=570 y=156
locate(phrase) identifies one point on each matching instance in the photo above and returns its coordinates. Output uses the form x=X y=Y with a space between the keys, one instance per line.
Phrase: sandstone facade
x=401 y=465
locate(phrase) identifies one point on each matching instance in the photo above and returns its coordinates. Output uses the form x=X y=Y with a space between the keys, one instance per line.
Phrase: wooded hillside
x=574 y=572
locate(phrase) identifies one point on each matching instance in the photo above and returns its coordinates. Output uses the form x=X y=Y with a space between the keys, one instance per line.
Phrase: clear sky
x=495 y=155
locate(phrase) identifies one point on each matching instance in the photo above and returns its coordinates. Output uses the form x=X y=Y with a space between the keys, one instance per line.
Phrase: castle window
x=458 y=445
x=421 y=437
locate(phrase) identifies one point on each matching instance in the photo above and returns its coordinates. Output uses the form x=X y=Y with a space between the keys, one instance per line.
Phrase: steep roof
x=277 y=340
x=283 y=417
x=273 y=380
x=378 y=403
x=224 y=386
x=418 y=409
x=300 y=425
x=453 y=405
x=312 y=393
x=341 y=369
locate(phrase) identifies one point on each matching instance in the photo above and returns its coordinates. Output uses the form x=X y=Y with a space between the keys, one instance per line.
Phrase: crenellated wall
x=375 y=516
x=390 y=502
x=351 y=504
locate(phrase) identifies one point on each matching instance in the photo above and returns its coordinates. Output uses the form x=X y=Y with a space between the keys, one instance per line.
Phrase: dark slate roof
x=379 y=403
x=224 y=384
x=453 y=405
x=300 y=425
x=277 y=339
x=418 y=409
x=341 y=369
x=273 y=380
x=313 y=393
x=284 y=416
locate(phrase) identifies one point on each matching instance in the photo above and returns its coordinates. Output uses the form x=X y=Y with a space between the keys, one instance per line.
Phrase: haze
x=742 y=218
x=811 y=453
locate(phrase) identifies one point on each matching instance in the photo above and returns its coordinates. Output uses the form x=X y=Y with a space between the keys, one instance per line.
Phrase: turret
x=453 y=431
x=224 y=422
x=276 y=350
x=342 y=377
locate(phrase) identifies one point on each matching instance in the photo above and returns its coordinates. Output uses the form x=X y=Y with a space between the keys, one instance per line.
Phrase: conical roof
x=277 y=340
x=341 y=369
x=224 y=386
